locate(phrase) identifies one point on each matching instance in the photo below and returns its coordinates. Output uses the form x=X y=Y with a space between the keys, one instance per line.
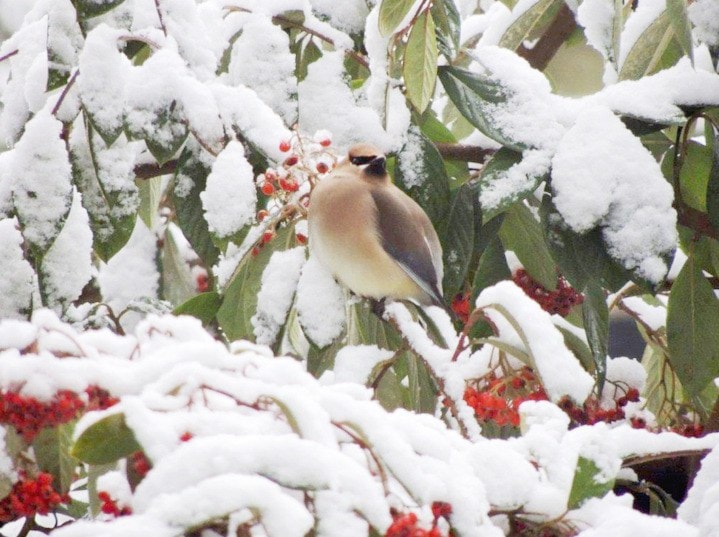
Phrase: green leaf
x=310 y=54
x=522 y=234
x=579 y=348
x=419 y=66
x=646 y=53
x=422 y=391
x=239 y=302
x=391 y=13
x=492 y=268
x=52 y=453
x=586 y=483
x=693 y=329
x=595 y=315
x=475 y=95
x=495 y=171
x=677 y=11
x=320 y=359
x=448 y=23
x=526 y=25
x=93 y=8
x=694 y=177
x=458 y=240
x=177 y=283
x=712 y=192
x=190 y=181
x=203 y=306
x=105 y=441
x=420 y=172
x=150 y=191
x=436 y=131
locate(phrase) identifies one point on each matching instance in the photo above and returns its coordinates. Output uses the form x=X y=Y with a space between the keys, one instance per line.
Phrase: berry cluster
x=99 y=398
x=405 y=524
x=559 y=301
x=497 y=399
x=109 y=506
x=140 y=463
x=460 y=306
x=29 y=497
x=591 y=412
x=28 y=415
x=307 y=159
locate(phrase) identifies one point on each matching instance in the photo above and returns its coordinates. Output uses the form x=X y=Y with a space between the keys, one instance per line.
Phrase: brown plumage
x=374 y=238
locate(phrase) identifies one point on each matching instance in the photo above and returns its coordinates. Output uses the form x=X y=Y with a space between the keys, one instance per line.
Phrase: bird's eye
x=359 y=161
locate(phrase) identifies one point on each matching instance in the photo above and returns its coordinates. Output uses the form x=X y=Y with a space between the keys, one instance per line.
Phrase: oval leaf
x=537 y=16
x=693 y=329
x=106 y=441
x=587 y=483
x=458 y=240
x=420 y=62
x=391 y=13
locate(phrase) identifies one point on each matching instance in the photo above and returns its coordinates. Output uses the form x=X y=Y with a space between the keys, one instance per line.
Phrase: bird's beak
x=377 y=166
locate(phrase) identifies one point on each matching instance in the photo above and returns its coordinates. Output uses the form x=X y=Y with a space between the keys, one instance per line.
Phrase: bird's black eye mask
x=359 y=161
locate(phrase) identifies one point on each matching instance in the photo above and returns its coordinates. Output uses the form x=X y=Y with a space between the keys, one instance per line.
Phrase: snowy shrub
x=159 y=156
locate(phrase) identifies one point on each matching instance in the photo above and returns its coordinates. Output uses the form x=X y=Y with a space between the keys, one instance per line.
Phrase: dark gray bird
x=374 y=238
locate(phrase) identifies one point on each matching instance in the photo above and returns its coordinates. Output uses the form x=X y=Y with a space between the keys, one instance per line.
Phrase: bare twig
x=148 y=171
x=641 y=459
x=556 y=34
x=64 y=93
x=9 y=55
x=465 y=153
x=159 y=16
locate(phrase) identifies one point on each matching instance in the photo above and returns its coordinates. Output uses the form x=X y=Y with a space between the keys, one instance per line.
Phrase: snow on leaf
x=279 y=283
x=559 y=369
x=320 y=303
x=230 y=198
x=67 y=265
x=261 y=60
x=603 y=177
x=18 y=282
x=42 y=192
x=103 y=74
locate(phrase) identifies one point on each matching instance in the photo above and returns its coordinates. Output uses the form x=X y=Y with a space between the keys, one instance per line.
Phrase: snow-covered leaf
x=420 y=172
x=190 y=182
x=93 y=8
x=586 y=485
x=595 y=316
x=473 y=94
x=420 y=62
x=677 y=11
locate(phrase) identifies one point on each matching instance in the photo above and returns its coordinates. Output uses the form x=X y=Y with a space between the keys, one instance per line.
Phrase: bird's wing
x=411 y=246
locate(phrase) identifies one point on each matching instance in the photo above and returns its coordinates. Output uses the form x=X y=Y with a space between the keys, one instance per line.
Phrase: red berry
x=322 y=167
x=186 y=436
x=202 y=282
x=291 y=161
x=285 y=146
x=267 y=236
x=326 y=142
x=301 y=238
x=255 y=251
x=441 y=509
x=140 y=463
x=267 y=189
x=289 y=185
x=262 y=214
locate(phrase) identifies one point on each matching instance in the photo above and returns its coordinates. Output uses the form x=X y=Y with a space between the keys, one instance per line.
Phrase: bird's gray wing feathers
x=407 y=245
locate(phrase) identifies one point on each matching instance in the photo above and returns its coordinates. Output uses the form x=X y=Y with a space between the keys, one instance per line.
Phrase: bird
x=374 y=239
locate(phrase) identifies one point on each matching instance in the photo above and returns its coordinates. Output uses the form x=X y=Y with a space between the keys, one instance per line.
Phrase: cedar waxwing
x=374 y=238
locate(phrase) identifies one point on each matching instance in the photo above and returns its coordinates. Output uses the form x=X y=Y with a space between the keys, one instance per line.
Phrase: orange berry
x=285 y=146
x=268 y=189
